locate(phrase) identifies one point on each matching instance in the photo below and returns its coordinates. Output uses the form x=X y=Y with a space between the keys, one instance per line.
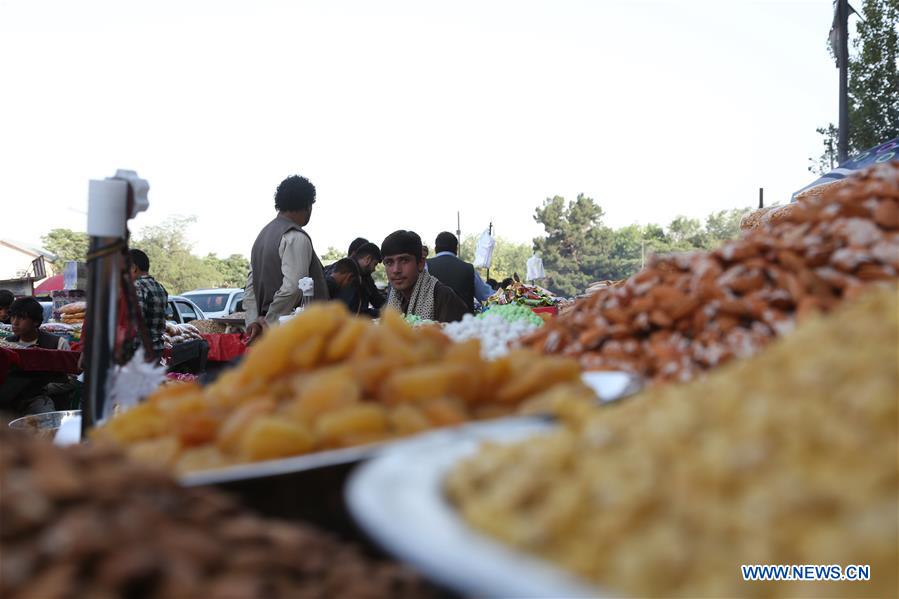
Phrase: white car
x=181 y=310
x=217 y=303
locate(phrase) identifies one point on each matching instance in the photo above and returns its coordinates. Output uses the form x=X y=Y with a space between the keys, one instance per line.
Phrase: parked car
x=217 y=303
x=182 y=310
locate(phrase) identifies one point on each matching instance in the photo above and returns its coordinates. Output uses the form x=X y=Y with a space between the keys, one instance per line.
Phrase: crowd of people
x=443 y=288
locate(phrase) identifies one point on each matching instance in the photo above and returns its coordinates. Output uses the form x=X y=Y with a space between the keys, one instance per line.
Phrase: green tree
x=232 y=271
x=578 y=249
x=873 y=83
x=576 y=246
x=509 y=257
x=724 y=225
x=874 y=76
x=332 y=255
x=67 y=245
x=687 y=233
x=171 y=260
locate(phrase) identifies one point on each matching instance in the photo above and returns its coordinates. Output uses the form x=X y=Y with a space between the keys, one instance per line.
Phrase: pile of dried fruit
x=690 y=312
x=85 y=522
x=327 y=379
x=785 y=458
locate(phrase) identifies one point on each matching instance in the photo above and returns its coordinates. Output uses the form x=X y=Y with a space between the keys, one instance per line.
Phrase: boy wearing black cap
x=412 y=290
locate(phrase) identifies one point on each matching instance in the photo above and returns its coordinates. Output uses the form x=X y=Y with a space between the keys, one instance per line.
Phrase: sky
x=404 y=113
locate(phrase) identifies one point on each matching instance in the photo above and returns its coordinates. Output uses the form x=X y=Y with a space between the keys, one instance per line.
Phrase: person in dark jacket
x=343 y=276
x=412 y=290
x=364 y=298
x=456 y=273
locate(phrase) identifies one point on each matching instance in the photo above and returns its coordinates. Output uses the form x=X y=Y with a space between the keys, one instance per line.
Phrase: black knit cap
x=402 y=242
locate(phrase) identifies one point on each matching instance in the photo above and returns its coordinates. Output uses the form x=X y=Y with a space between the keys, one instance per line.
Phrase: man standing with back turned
x=457 y=274
x=281 y=256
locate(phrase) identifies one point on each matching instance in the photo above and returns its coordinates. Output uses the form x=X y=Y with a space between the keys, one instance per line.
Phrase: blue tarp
x=883 y=153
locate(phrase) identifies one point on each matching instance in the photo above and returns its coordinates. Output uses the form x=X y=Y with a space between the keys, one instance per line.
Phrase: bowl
x=43 y=425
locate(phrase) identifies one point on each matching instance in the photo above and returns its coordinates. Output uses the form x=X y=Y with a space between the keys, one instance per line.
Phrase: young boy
x=344 y=275
x=26 y=315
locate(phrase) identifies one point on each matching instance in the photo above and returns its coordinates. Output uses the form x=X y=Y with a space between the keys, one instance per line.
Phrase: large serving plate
x=272 y=468
x=609 y=386
x=398 y=499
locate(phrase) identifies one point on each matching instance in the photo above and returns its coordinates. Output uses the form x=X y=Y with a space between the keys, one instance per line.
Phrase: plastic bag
x=483 y=254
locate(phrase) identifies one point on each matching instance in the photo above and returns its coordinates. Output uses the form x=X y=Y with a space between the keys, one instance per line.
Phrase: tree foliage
x=232 y=271
x=67 y=245
x=173 y=264
x=509 y=257
x=874 y=76
x=332 y=255
x=873 y=84
x=579 y=249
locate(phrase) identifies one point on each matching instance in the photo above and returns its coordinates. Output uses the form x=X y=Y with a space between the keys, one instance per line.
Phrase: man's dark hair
x=355 y=245
x=402 y=242
x=6 y=298
x=446 y=242
x=295 y=193
x=27 y=307
x=347 y=266
x=140 y=260
x=368 y=249
x=493 y=283
x=506 y=282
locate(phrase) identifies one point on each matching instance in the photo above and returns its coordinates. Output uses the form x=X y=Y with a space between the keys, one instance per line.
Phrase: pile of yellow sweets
x=789 y=457
x=327 y=380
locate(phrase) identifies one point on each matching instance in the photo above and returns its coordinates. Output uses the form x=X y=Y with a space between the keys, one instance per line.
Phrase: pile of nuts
x=85 y=522
x=686 y=313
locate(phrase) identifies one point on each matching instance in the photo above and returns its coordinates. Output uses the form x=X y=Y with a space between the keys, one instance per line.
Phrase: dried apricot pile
x=686 y=313
x=327 y=380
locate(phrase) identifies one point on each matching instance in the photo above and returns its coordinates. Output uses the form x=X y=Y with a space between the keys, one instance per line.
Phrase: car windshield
x=210 y=302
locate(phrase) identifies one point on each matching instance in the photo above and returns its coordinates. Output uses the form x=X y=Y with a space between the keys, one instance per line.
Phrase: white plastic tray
x=609 y=386
x=398 y=498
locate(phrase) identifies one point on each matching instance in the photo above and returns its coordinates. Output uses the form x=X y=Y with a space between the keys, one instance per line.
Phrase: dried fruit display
x=686 y=313
x=785 y=458
x=326 y=380
x=85 y=522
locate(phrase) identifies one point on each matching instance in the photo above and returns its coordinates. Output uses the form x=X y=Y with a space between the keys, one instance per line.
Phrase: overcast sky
x=402 y=113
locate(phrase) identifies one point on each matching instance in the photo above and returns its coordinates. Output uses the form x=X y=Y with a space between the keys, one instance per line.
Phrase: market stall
x=480 y=453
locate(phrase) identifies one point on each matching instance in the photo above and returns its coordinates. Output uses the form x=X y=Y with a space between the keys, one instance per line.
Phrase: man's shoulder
x=442 y=291
x=450 y=259
x=154 y=284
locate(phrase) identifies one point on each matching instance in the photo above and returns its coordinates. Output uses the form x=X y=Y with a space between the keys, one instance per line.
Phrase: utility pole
x=842 y=18
x=458 y=227
x=490 y=232
x=761 y=197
